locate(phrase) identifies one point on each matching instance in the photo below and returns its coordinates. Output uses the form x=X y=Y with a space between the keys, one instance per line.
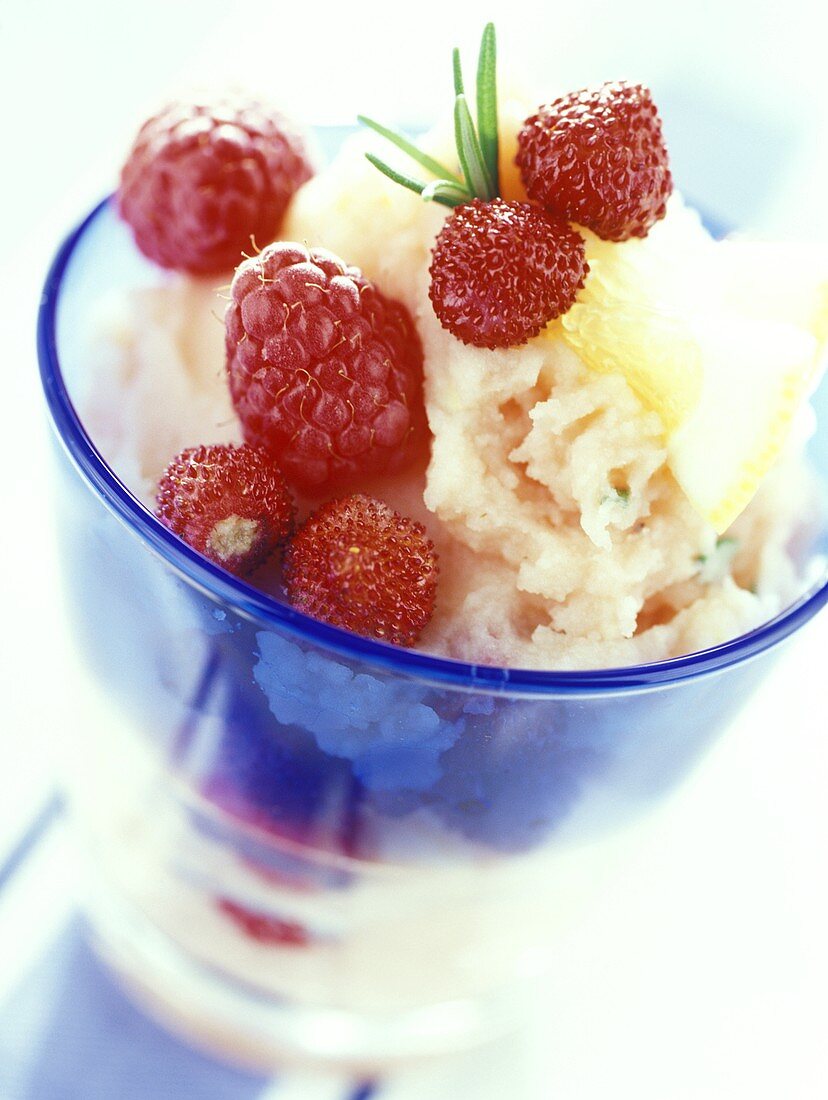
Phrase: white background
x=702 y=972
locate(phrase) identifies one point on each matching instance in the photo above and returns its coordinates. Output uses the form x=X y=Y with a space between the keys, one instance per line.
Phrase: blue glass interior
x=335 y=741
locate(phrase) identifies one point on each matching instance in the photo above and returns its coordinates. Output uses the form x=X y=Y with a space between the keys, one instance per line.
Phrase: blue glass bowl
x=313 y=716
x=317 y=753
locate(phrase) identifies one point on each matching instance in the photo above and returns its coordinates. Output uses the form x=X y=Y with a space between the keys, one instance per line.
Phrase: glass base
x=239 y=1024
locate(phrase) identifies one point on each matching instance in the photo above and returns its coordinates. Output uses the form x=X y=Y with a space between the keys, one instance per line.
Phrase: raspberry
x=203 y=178
x=325 y=372
x=597 y=157
x=359 y=565
x=501 y=270
x=264 y=929
x=229 y=503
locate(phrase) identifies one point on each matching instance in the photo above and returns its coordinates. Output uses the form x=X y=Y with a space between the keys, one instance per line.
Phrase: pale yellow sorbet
x=565 y=540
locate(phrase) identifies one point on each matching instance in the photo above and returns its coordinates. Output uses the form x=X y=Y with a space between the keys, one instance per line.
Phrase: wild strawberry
x=264 y=929
x=229 y=503
x=325 y=371
x=501 y=270
x=359 y=565
x=598 y=158
x=203 y=178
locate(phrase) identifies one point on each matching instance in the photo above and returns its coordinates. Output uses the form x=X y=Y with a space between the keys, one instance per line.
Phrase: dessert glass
x=306 y=844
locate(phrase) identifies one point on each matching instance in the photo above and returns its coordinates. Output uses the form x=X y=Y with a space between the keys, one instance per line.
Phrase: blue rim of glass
x=268 y=610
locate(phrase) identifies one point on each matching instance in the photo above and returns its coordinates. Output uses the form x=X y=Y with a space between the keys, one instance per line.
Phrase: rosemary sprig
x=469 y=151
x=441 y=190
x=487 y=103
x=457 y=70
x=401 y=142
x=477 y=145
x=418 y=187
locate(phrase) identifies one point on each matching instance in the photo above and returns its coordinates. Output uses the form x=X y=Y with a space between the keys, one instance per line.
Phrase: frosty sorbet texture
x=565 y=540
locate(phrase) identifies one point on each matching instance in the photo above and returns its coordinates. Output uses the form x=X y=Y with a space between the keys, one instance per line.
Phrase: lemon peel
x=725 y=341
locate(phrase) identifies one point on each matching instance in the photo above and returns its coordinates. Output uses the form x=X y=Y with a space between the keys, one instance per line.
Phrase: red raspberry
x=229 y=503
x=325 y=372
x=203 y=178
x=264 y=929
x=359 y=565
x=597 y=157
x=501 y=270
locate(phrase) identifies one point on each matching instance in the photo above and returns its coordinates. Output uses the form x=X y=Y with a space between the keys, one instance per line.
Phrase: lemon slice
x=779 y=280
x=628 y=319
x=656 y=351
x=757 y=374
x=762 y=359
x=724 y=340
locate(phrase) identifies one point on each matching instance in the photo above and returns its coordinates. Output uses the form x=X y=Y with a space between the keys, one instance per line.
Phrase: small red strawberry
x=502 y=270
x=598 y=158
x=229 y=503
x=203 y=178
x=325 y=371
x=264 y=929
x=359 y=565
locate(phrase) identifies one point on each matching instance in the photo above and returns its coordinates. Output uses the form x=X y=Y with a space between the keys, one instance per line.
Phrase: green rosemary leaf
x=448 y=200
x=469 y=151
x=616 y=496
x=447 y=192
x=458 y=72
x=427 y=162
x=487 y=103
x=415 y=185
x=717 y=564
x=397 y=177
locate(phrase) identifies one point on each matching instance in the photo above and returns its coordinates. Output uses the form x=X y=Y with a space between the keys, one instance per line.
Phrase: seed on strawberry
x=204 y=178
x=359 y=565
x=325 y=371
x=501 y=270
x=598 y=158
x=229 y=503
